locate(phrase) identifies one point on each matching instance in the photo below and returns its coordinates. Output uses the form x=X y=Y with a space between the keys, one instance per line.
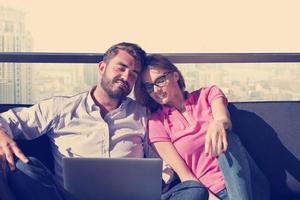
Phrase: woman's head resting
x=160 y=83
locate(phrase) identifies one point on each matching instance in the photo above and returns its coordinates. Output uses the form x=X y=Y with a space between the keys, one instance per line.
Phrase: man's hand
x=215 y=139
x=9 y=148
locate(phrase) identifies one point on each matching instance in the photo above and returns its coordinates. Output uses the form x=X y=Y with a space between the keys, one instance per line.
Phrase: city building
x=15 y=78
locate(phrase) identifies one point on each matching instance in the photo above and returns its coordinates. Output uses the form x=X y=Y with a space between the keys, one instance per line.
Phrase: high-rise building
x=15 y=78
x=5 y=89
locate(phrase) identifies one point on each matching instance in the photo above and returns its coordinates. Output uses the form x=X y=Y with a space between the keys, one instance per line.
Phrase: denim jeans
x=5 y=192
x=223 y=195
x=187 y=190
x=34 y=181
x=243 y=179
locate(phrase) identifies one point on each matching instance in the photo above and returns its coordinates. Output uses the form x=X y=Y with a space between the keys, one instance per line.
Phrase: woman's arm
x=215 y=140
x=168 y=153
x=220 y=113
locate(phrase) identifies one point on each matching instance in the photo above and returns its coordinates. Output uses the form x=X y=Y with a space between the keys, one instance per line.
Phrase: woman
x=190 y=132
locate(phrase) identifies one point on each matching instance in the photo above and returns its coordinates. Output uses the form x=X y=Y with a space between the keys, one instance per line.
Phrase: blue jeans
x=5 y=192
x=243 y=179
x=223 y=195
x=191 y=190
x=34 y=181
x=187 y=190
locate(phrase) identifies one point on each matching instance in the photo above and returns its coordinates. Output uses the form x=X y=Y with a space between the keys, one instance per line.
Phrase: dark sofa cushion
x=39 y=148
x=270 y=132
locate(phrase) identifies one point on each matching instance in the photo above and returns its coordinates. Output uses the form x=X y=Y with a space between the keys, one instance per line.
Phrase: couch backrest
x=270 y=132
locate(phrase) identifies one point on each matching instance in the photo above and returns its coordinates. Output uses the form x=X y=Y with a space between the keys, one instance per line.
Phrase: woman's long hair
x=140 y=92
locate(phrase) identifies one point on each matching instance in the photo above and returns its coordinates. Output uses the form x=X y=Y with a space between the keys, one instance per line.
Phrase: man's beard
x=119 y=92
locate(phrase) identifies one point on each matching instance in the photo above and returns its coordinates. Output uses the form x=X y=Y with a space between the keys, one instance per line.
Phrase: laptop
x=113 y=178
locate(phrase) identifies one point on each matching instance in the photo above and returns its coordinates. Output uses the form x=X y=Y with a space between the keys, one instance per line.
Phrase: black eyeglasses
x=159 y=82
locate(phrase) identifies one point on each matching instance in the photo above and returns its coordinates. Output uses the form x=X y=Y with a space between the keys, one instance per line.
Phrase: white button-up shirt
x=76 y=129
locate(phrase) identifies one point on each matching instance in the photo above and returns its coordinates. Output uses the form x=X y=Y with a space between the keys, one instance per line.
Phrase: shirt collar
x=188 y=100
x=124 y=103
x=120 y=111
x=92 y=105
x=167 y=110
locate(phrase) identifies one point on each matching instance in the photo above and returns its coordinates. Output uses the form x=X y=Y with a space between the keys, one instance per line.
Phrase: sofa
x=268 y=130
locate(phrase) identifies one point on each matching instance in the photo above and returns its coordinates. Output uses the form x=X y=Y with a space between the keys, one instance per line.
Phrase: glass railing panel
x=247 y=81
x=26 y=83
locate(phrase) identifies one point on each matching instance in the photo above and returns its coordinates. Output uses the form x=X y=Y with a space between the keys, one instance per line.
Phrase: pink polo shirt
x=168 y=124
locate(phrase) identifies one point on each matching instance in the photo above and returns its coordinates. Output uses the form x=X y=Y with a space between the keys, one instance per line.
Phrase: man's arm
x=27 y=123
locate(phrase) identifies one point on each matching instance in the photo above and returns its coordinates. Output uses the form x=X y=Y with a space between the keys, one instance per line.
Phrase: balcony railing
x=242 y=76
x=19 y=57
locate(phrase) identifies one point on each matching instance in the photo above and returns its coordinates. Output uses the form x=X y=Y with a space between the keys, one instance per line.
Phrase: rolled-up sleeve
x=213 y=93
x=157 y=131
x=29 y=123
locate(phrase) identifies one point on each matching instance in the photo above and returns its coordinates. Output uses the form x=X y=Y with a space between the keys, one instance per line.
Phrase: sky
x=163 y=26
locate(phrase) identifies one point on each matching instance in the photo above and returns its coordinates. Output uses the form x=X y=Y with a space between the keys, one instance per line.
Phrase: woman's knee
x=199 y=193
x=192 y=193
x=232 y=138
x=191 y=190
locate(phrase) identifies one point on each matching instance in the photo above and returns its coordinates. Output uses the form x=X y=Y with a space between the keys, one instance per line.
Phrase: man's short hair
x=133 y=49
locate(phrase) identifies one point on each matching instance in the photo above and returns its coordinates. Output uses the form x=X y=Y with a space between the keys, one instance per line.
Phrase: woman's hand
x=215 y=139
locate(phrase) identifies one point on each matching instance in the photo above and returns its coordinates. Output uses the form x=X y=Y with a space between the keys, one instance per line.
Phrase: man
x=99 y=123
